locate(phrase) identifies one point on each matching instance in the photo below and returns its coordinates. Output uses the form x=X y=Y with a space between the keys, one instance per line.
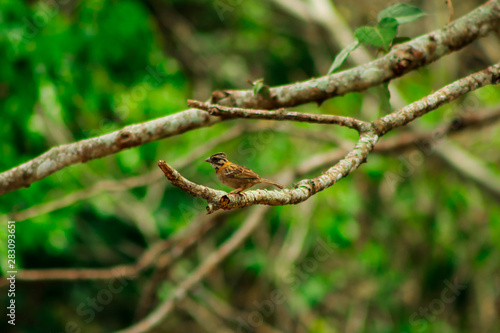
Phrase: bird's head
x=217 y=160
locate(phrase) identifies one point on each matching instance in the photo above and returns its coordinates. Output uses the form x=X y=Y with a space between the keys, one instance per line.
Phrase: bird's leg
x=238 y=190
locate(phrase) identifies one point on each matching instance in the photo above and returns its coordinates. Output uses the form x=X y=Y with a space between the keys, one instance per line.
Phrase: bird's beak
x=207 y=160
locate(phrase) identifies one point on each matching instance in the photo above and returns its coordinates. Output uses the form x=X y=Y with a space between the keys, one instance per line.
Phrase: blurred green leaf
x=381 y=35
x=342 y=56
x=259 y=88
x=403 y=13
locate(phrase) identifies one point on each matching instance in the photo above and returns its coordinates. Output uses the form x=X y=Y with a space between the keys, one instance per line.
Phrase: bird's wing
x=239 y=172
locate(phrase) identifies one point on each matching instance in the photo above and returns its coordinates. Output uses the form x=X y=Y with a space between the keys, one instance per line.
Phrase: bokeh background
x=413 y=240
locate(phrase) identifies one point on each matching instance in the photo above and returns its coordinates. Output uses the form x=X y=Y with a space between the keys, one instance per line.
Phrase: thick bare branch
x=490 y=75
x=402 y=59
x=468 y=120
x=82 y=151
x=280 y=114
x=127 y=183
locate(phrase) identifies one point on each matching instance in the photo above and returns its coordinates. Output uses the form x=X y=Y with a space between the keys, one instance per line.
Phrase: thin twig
x=280 y=114
x=213 y=259
x=450 y=9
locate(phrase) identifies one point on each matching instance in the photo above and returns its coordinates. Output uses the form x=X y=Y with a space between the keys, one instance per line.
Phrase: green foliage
x=395 y=229
x=342 y=56
x=259 y=88
x=402 y=12
x=383 y=34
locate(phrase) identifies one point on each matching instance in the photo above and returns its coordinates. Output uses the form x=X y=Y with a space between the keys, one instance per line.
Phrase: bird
x=236 y=176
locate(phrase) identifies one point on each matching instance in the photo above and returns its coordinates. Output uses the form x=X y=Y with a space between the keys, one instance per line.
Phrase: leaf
x=385 y=97
x=380 y=35
x=403 y=13
x=400 y=40
x=259 y=88
x=342 y=56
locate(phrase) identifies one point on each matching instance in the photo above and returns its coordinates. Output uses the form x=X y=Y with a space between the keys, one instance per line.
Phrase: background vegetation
x=402 y=227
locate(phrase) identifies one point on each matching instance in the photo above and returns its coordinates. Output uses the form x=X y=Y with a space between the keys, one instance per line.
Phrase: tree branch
x=212 y=260
x=469 y=120
x=82 y=151
x=490 y=75
x=301 y=192
x=127 y=183
x=280 y=114
x=368 y=138
x=402 y=59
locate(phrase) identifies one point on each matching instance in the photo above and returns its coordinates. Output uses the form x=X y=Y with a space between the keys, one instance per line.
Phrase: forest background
x=409 y=242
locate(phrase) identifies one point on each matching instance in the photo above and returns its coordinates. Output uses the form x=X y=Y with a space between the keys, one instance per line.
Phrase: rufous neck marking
x=223 y=165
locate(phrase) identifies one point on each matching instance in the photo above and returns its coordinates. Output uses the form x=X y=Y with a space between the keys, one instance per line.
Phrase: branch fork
x=302 y=191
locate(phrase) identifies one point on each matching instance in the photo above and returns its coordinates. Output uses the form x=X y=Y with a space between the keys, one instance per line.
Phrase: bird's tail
x=270 y=182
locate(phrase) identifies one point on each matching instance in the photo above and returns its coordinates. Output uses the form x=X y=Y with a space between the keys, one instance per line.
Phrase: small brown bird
x=236 y=176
